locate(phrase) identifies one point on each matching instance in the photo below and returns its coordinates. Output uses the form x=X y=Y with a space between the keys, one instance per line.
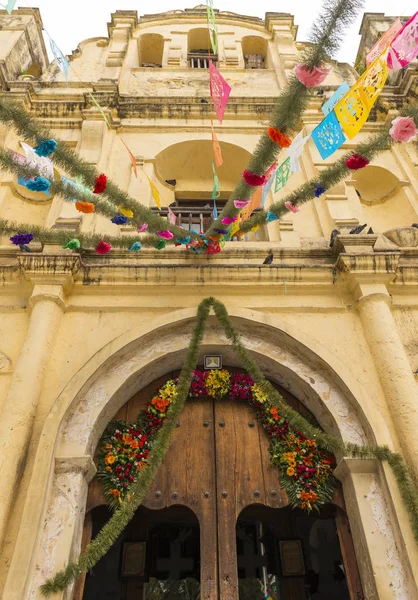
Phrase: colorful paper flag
x=295 y=150
x=78 y=187
x=155 y=193
x=328 y=136
x=255 y=203
x=132 y=159
x=172 y=219
x=219 y=91
x=62 y=62
x=216 y=190
x=217 y=152
x=215 y=209
x=235 y=226
x=9 y=6
x=353 y=110
x=282 y=175
x=102 y=112
x=267 y=187
x=386 y=39
x=213 y=28
x=404 y=47
x=42 y=163
x=335 y=98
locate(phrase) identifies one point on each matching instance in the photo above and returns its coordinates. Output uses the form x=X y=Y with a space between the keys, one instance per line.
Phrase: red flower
x=356 y=162
x=253 y=179
x=278 y=137
x=103 y=247
x=100 y=184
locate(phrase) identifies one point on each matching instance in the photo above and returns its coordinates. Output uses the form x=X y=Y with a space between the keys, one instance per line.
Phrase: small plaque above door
x=291 y=556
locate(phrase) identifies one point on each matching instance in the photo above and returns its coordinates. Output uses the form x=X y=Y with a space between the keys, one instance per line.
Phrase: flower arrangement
x=305 y=469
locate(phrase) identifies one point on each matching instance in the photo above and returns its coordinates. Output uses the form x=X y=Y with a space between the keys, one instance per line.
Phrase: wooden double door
x=218 y=467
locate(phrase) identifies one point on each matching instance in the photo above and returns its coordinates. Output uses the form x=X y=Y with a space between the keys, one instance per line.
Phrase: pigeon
x=24 y=248
x=415 y=225
x=171 y=181
x=204 y=101
x=358 y=229
x=269 y=259
x=370 y=230
x=334 y=234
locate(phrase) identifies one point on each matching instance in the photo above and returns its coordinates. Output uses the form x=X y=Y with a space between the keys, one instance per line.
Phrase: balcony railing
x=197 y=219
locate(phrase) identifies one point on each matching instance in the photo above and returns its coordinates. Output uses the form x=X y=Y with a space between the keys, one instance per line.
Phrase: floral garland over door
x=306 y=470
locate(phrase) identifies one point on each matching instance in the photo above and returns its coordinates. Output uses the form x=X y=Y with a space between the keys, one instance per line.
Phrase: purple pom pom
x=119 y=220
x=20 y=239
x=319 y=190
x=221 y=231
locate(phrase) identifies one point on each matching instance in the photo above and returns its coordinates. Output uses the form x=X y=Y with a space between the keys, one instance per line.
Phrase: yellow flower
x=110 y=459
x=126 y=212
x=258 y=393
x=217 y=383
x=290 y=471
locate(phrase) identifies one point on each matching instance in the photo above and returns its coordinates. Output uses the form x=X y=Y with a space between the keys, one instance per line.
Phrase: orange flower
x=134 y=444
x=115 y=493
x=108 y=447
x=160 y=404
x=278 y=137
x=110 y=459
x=311 y=443
x=140 y=466
x=126 y=438
x=274 y=413
x=308 y=460
x=85 y=207
x=108 y=469
x=290 y=471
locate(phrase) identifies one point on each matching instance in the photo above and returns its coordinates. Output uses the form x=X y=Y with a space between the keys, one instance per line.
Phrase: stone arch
x=151 y=49
x=63 y=465
x=254 y=50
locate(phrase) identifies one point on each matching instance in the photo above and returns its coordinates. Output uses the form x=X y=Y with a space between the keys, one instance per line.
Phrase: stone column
x=16 y=423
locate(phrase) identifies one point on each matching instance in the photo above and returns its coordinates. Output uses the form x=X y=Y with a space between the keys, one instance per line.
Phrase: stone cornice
x=45 y=269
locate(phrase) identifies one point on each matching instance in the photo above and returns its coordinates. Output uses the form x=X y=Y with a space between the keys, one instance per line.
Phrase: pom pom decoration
x=85 y=207
x=403 y=129
x=21 y=238
x=166 y=235
x=356 y=162
x=291 y=207
x=310 y=77
x=100 y=185
x=214 y=248
x=39 y=184
x=319 y=190
x=103 y=247
x=229 y=220
x=279 y=137
x=46 y=147
x=119 y=220
x=72 y=244
x=184 y=241
x=221 y=231
x=270 y=216
x=135 y=247
x=253 y=179
x=126 y=212
x=241 y=203
x=142 y=228
x=161 y=245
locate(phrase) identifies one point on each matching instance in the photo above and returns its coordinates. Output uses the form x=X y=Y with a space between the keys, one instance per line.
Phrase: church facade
x=86 y=340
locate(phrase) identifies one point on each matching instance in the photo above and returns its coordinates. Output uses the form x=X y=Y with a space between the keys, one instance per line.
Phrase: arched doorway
x=217 y=468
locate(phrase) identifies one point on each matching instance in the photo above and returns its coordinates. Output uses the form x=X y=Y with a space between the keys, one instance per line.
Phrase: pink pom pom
x=167 y=235
x=271 y=170
x=253 y=179
x=311 y=78
x=403 y=129
x=142 y=228
x=291 y=207
x=103 y=247
x=229 y=220
x=241 y=203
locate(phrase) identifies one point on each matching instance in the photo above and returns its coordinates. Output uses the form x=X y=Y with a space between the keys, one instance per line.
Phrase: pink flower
x=142 y=228
x=167 y=235
x=241 y=203
x=311 y=77
x=291 y=207
x=103 y=247
x=229 y=220
x=403 y=129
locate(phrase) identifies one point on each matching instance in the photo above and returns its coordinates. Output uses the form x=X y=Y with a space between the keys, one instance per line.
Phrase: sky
x=69 y=23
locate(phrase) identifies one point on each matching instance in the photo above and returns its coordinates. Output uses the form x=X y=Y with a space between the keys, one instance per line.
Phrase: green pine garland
x=326 y=34
x=123 y=515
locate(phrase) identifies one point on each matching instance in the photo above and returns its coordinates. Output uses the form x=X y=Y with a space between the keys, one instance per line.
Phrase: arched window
x=254 y=49
x=199 y=49
x=151 y=48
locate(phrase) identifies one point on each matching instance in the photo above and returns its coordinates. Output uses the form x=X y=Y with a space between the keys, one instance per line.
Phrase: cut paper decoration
x=271 y=216
x=119 y=219
x=356 y=162
x=267 y=187
x=328 y=136
x=126 y=212
x=135 y=247
x=18 y=158
x=132 y=159
x=184 y=241
x=403 y=129
x=215 y=210
x=217 y=152
x=335 y=98
x=85 y=207
x=241 y=203
x=39 y=184
x=62 y=62
x=100 y=109
x=386 y=39
x=235 y=227
x=142 y=228
x=9 y=6
x=219 y=91
x=41 y=163
x=21 y=238
x=172 y=219
x=103 y=247
x=77 y=187
x=155 y=193
x=45 y=148
x=255 y=203
x=252 y=179
x=271 y=170
x=353 y=110
x=404 y=47
x=282 y=175
x=213 y=248
x=311 y=77
x=278 y=137
x=291 y=207
x=216 y=190
x=72 y=245
x=213 y=28
x=166 y=235
x=100 y=184
x=295 y=150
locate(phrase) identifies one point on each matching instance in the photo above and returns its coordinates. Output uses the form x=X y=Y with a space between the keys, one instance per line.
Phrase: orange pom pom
x=85 y=207
x=278 y=137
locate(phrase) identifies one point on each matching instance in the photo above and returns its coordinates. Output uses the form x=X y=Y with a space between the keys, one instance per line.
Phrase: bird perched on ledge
x=358 y=229
x=334 y=234
x=269 y=259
